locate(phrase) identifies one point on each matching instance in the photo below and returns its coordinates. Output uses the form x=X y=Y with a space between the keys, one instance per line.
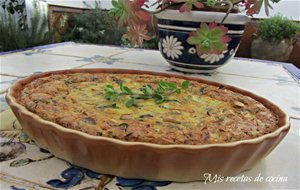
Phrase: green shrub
x=94 y=26
x=278 y=28
x=13 y=36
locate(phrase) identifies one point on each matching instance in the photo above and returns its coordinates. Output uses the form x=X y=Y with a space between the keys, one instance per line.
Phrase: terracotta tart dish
x=140 y=124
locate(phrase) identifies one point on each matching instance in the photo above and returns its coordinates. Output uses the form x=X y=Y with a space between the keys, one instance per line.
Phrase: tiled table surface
x=33 y=168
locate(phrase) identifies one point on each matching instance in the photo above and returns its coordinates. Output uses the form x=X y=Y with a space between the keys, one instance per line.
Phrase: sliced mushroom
x=171 y=120
x=175 y=113
x=146 y=116
x=238 y=104
x=183 y=109
x=89 y=120
x=221 y=87
x=126 y=117
x=202 y=90
x=74 y=101
x=123 y=125
x=114 y=106
x=116 y=80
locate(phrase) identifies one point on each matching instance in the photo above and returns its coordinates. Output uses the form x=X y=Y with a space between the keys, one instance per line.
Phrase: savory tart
x=147 y=108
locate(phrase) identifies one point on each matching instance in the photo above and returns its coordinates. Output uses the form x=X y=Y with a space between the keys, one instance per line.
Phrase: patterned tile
x=121 y=65
x=151 y=57
x=293 y=70
x=36 y=49
x=3 y=105
x=256 y=69
x=6 y=81
x=23 y=65
x=86 y=50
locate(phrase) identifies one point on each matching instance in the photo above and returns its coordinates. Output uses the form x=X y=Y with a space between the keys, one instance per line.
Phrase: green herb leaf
x=159 y=98
x=168 y=85
x=130 y=102
x=147 y=90
x=142 y=96
x=110 y=93
x=125 y=89
x=160 y=90
x=163 y=85
x=185 y=84
x=109 y=89
x=114 y=97
x=172 y=85
x=160 y=94
x=159 y=101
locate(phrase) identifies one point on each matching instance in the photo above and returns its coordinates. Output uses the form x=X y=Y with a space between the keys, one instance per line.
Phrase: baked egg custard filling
x=147 y=108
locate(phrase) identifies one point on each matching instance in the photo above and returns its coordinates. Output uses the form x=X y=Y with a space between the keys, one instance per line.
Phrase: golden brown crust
x=202 y=115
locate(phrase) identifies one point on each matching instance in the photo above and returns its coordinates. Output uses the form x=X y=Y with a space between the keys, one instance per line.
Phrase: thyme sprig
x=160 y=94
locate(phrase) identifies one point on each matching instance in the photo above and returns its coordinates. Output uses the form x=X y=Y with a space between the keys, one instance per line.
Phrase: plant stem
x=228 y=11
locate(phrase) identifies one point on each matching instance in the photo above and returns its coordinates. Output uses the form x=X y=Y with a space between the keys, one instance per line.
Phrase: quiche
x=130 y=107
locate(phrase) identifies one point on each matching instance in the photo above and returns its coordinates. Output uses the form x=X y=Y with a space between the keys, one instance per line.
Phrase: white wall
x=288 y=8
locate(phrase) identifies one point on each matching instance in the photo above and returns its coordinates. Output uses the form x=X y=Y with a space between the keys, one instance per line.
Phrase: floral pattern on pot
x=172 y=47
x=192 y=51
x=212 y=58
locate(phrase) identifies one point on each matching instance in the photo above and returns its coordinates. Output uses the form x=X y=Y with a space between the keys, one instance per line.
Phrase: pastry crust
x=203 y=114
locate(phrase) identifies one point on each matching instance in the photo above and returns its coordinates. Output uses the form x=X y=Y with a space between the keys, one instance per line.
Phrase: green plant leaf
x=168 y=85
x=209 y=38
x=125 y=89
x=160 y=94
x=278 y=28
x=159 y=101
x=185 y=84
x=109 y=88
x=130 y=102
x=147 y=90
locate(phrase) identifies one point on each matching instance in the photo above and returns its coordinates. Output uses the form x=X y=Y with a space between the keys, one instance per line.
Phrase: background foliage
x=94 y=26
x=15 y=7
x=278 y=28
x=16 y=35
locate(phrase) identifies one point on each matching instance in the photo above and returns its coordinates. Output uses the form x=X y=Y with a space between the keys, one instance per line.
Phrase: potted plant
x=275 y=39
x=193 y=35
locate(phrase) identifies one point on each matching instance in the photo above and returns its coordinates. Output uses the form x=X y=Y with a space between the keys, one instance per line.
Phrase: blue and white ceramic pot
x=174 y=29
